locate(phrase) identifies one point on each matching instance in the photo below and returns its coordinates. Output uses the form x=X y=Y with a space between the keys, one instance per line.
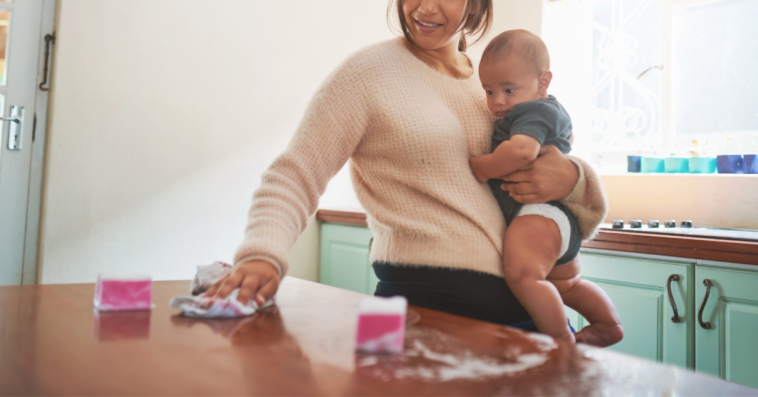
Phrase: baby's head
x=515 y=68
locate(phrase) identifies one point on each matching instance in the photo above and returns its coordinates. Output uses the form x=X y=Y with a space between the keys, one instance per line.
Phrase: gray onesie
x=548 y=122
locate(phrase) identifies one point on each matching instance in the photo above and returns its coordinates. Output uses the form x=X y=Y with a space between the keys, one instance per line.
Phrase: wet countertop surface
x=54 y=344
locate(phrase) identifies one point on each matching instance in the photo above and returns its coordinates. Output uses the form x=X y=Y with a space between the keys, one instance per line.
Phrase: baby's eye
x=510 y=91
x=488 y=92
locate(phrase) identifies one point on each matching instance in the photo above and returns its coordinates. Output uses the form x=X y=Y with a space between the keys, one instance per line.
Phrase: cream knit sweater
x=408 y=132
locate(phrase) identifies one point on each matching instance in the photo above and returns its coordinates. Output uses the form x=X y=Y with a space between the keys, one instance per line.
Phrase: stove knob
x=686 y=223
x=618 y=224
x=670 y=224
x=653 y=224
x=635 y=224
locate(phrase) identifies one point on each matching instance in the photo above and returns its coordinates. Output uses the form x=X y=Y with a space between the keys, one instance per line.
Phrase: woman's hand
x=254 y=278
x=550 y=177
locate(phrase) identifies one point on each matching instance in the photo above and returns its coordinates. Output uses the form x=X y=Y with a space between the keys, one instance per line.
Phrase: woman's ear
x=545 y=79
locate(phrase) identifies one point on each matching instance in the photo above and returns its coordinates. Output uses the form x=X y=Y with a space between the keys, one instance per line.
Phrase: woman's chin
x=428 y=42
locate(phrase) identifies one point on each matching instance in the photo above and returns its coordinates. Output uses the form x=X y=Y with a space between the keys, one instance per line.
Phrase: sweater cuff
x=264 y=258
x=587 y=201
x=577 y=194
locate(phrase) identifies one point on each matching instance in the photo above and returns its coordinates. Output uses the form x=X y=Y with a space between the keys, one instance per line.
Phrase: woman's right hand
x=550 y=177
x=254 y=278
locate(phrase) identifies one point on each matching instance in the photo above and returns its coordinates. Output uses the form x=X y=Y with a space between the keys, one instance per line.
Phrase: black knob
x=635 y=224
x=653 y=224
x=686 y=223
x=618 y=224
x=670 y=224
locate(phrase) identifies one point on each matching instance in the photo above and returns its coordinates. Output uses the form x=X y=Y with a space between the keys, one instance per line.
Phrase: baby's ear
x=545 y=79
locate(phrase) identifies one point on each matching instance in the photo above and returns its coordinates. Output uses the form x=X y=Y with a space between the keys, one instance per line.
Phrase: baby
x=542 y=241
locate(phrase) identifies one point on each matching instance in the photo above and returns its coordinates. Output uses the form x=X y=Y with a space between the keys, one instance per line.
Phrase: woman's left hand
x=550 y=177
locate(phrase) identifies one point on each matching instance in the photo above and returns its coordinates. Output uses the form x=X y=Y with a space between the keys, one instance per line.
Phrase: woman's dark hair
x=477 y=21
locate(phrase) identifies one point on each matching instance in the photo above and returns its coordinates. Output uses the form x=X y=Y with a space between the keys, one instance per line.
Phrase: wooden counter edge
x=722 y=250
x=734 y=251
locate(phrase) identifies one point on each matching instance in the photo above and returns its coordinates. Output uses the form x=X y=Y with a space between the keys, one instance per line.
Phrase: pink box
x=123 y=292
x=381 y=325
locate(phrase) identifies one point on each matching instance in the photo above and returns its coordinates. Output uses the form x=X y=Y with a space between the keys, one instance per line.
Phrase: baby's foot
x=601 y=335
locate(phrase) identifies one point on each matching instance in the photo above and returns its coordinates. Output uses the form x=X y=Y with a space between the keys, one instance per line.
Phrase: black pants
x=467 y=293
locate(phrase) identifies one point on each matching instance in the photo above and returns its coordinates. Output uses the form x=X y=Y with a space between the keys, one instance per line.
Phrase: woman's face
x=434 y=24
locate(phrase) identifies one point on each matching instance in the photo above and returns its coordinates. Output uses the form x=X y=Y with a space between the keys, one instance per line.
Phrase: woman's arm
x=555 y=177
x=332 y=127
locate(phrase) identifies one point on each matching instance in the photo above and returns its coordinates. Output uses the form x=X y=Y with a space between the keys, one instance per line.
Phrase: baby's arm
x=509 y=156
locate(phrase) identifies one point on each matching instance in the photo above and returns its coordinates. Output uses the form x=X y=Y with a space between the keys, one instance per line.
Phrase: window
x=651 y=76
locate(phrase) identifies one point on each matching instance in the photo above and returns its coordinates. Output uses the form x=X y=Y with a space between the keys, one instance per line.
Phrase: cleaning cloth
x=196 y=305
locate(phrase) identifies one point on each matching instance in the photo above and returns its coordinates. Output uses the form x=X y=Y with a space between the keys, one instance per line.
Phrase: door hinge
x=34 y=127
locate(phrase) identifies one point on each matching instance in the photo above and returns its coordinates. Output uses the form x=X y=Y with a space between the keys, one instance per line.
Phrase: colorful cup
x=676 y=164
x=751 y=163
x=633 y=163
x=702 y=165
x=730 y=164
x=652 y=164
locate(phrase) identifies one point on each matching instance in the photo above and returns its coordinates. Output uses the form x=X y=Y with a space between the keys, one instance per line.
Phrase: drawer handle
x=673 y=277
x=705 y=325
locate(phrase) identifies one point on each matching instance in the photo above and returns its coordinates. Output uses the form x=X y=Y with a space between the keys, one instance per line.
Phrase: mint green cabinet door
x=729 y=349
x=637 y=288
x=343 y=261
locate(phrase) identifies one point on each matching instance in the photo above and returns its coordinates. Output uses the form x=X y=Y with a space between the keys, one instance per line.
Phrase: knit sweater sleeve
x=587 y=201
x=332 y=127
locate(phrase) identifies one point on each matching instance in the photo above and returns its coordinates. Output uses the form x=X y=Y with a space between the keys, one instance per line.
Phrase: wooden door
x=23 y=24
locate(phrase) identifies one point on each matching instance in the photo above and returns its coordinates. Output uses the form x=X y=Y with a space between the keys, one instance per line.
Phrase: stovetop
x=694 y=231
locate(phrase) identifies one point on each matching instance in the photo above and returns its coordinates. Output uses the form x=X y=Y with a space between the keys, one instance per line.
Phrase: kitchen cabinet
x=343 y=258
x=725 y=340
x=639 y=288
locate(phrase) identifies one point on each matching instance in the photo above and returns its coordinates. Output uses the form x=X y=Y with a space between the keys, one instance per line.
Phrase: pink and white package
x=381 y=325
x=131 y=292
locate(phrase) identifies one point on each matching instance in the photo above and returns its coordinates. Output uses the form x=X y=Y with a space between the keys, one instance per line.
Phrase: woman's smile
x=426 y=26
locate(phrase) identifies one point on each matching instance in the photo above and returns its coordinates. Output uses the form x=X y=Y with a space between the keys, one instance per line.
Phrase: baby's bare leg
x=531 y=247
x=591 y=302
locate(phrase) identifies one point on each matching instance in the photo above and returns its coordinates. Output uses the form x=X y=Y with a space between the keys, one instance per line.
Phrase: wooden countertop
x=54 y=344
x=735 y=251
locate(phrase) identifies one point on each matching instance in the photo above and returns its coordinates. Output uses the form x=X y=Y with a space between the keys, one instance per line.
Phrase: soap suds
x=465 y=366
x=423 y=359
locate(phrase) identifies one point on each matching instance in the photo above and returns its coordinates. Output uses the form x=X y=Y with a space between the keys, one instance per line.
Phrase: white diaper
x=554 y=213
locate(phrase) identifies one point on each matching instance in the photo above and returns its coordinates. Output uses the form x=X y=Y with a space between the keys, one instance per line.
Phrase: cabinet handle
x=705 y=325
x=673 y=277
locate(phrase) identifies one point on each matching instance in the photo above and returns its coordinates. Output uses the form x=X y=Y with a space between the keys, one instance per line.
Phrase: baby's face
x=508 y=82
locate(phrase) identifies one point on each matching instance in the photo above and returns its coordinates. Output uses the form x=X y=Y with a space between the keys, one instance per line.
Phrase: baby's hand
x=477 y=167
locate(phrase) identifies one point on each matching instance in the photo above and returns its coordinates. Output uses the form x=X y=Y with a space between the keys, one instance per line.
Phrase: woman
x=408 y=113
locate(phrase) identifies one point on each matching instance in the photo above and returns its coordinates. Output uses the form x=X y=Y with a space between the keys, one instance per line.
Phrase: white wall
x=164 y=116
x=712 y=200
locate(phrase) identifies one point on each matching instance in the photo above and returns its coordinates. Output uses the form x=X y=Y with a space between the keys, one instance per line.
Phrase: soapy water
x=467 y=366
x=423 y=359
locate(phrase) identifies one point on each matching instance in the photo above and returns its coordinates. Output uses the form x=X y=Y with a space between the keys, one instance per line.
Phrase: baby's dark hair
x=522 y=43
